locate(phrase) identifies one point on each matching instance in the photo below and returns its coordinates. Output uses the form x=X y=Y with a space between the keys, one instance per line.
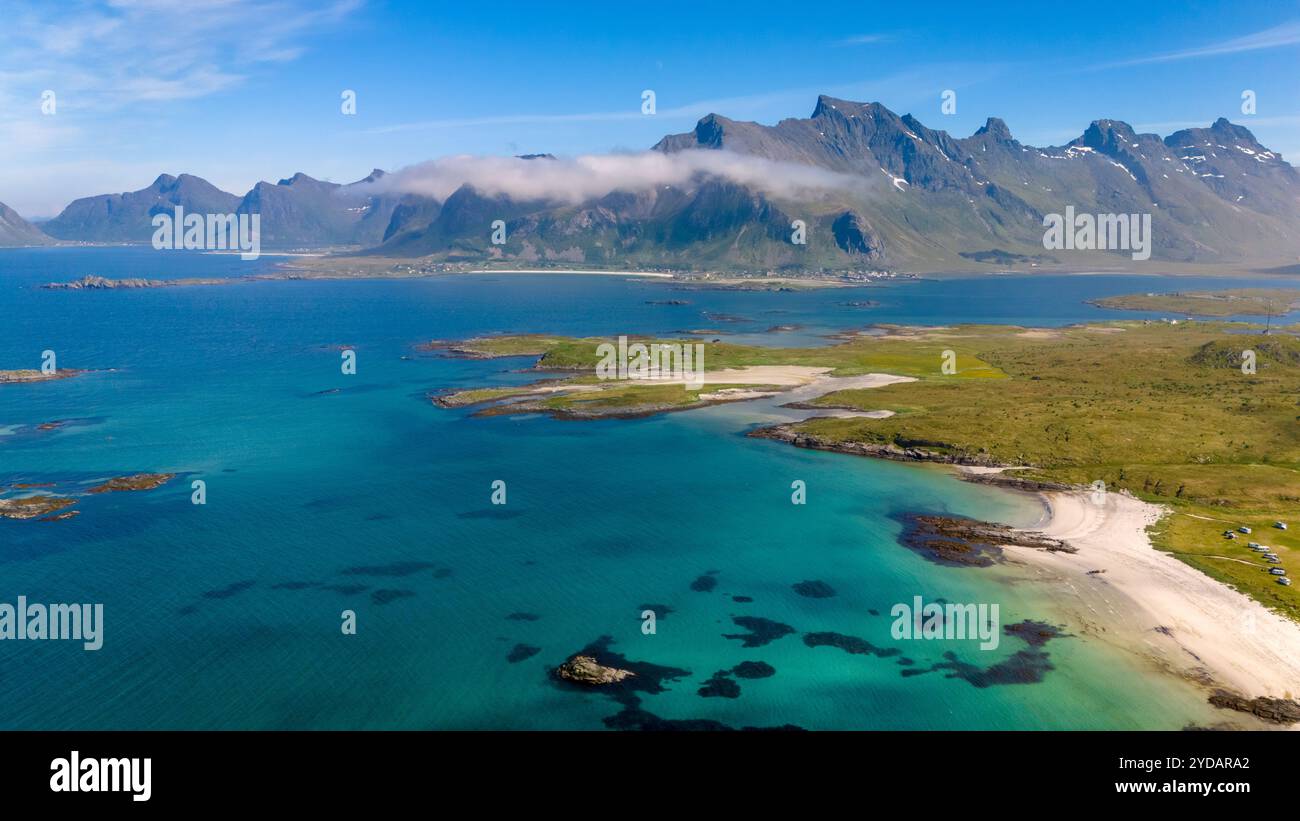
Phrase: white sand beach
x=1125 y=592
x=583 y=271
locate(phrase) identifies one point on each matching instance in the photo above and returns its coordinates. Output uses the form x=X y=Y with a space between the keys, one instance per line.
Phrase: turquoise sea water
x=370 y=498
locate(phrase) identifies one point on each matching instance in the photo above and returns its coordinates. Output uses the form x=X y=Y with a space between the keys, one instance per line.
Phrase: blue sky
x=239 y=91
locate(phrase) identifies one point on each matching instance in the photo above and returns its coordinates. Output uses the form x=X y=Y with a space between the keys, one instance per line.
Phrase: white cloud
x=865 y=39
x=104 y=59
x=1286 y=34
x=904 y=88
x=578 y=179
x=110 y=54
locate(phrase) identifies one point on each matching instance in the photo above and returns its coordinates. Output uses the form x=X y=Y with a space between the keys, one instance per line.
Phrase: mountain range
x=906 y=196
x=16 y=231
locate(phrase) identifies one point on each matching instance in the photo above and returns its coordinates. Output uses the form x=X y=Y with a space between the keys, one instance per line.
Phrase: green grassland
x=900 y=351
x=1232 y=302
x=1161 y=410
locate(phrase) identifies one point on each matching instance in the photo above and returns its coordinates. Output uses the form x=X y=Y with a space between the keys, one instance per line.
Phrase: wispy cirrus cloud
x=1280 y=36
x=115 y=64
x=865 y=39
x=110 y=54
x=908 y=87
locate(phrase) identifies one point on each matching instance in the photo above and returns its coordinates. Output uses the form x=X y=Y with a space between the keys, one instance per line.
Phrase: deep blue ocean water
x=372 y=499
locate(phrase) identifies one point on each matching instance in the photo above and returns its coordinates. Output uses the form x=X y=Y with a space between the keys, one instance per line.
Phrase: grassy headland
x=1162 y=411
x=1232 y=302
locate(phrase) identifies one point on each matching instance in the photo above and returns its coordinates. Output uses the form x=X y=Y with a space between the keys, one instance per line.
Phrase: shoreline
x=1122 y=590
x=563 y=271
x=1116 y=587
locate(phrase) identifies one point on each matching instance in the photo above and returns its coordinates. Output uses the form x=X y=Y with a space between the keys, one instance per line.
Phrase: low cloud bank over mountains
x=872 y=188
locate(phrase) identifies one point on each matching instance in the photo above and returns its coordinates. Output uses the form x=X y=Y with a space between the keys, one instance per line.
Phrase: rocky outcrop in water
x=906 y=452
x=34 y=507
x=586 y=670
x=1275 y=710
x=140 y=481
x=961 y=542
x=33 y=375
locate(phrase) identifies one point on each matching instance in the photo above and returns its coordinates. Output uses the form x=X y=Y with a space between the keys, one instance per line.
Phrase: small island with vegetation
x=24 y=375
x=38 y=501
x=1232 y=302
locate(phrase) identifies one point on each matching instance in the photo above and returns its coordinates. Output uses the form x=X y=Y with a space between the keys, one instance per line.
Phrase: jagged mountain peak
x=710 y=129
x=168 y=184
x=904 y=194
x=1110 y=137
x=1221 y=132
x=828 y=106
x=996 y=128
x=298 y=179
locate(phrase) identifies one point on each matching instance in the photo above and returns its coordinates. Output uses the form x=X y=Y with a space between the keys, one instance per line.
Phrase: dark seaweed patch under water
x=761 y=631
x=720 y=685
x=754 y=669
x=346 y=589
x=384 y=596
x=850 y=644
x=815 y=589
x=392 y=569
x=660 y=610
x=232 y=589
x=1026 y=666
x=705 y=583
x=633 y=717
x=520 y=652
x=294 y=585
